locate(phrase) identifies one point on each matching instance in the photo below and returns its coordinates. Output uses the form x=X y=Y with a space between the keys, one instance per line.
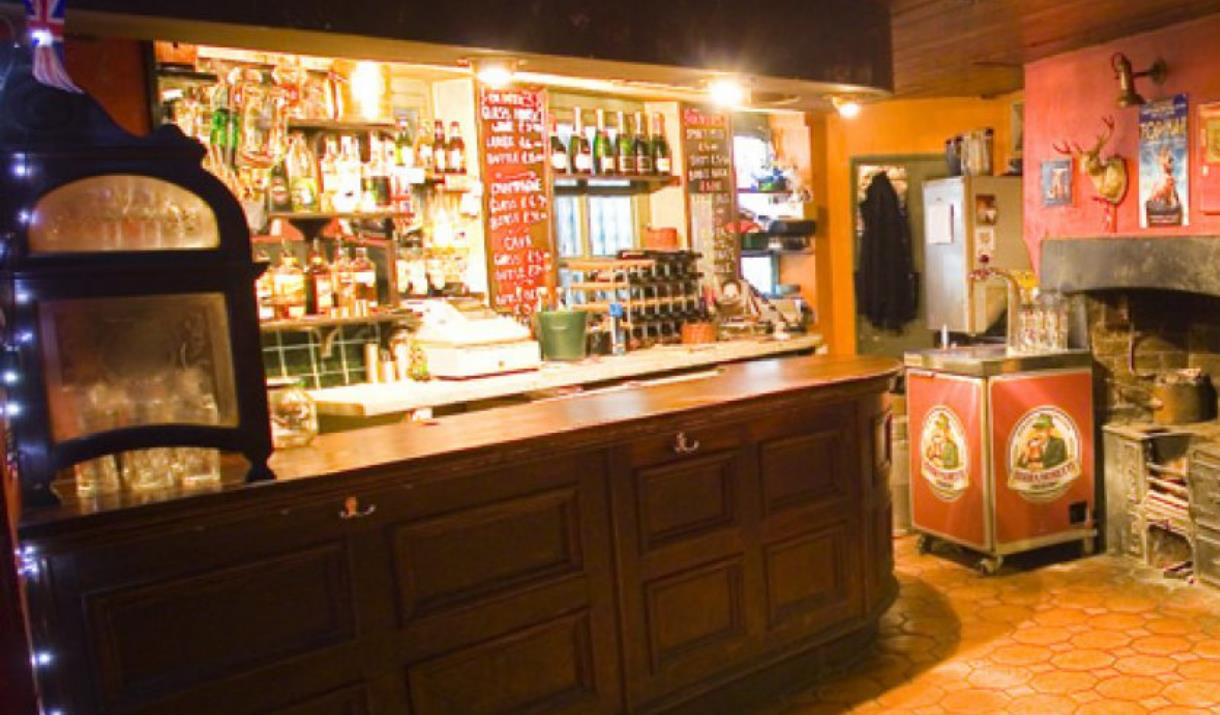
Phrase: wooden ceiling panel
x=979 y=47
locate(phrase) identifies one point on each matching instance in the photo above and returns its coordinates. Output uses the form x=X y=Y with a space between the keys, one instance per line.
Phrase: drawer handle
x=683 y=445
x=352 y=510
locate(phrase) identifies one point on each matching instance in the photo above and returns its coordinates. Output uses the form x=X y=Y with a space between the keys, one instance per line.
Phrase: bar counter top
x=491 y=436
x=372 y=400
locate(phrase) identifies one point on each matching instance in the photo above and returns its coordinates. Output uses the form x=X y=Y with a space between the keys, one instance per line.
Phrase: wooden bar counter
x=635 y=551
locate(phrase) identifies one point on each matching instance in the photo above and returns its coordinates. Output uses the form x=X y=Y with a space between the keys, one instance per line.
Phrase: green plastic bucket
x=562 y=334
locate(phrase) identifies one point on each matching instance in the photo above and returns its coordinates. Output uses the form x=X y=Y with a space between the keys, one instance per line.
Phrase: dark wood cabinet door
x=502 y=588
x=738 y=549
x=239 y=613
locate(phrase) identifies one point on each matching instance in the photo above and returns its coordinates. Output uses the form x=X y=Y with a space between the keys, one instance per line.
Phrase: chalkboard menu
x=707 y=144
x=512 y=130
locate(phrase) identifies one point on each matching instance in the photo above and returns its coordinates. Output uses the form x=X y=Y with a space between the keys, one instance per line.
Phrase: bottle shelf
x=766 y=192
x=321 y=215
x=328 y=321
x=339 y=125
x=638 y=182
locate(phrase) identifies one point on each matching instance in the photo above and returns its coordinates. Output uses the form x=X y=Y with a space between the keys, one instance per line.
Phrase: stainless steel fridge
x=966 y=218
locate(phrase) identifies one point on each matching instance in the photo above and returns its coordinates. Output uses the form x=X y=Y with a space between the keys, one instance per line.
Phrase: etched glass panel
x=125 y=362
x=121 y=212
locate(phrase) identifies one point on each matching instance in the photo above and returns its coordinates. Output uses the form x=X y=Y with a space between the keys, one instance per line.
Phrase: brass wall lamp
x=1127 y=96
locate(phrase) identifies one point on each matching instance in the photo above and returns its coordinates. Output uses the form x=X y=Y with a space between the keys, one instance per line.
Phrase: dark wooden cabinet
x=622 y=570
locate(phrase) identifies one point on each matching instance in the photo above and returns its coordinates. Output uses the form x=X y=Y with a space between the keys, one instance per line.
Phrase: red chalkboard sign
x=512 y=131
x=707 y=143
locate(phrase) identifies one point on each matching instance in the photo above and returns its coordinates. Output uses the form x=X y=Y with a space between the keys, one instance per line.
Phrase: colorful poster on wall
x=1208 y=190
x=1164 y=163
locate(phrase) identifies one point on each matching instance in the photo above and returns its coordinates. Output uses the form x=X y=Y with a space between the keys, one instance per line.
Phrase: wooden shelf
x=320 y=321
x=766 y=192
x=339 y=125
x=327 y=215
x=637 y=182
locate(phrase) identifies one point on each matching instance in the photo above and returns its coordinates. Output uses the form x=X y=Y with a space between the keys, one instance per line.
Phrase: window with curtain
x=609 y=228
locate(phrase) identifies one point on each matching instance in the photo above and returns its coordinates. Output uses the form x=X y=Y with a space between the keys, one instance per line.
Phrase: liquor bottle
x=559 y=152
x=643 y=149
x=344 y=283
x=624 y=147
x=440 y=157
x=376 y=181
x=424 y=150
x=302 y=174
x=580 y=155
x=662 y=162
x=289 y=287
x=457 y=150
x=348 y=171
x=264 y=289
x=279 y=196
x=404 y=145
x=603 y=151
x=319 y=283
x=329 y=170
x=364 y=280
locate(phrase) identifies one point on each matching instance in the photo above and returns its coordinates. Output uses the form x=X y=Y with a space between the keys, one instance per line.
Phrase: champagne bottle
x=559 y=152
x=624 y=147
x=603 y=152
x=643 y=149
x=662 y=163
x=457 y=150
x=580 y=156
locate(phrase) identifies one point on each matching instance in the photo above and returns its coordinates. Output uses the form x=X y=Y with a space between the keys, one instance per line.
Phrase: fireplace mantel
x=1189 y=264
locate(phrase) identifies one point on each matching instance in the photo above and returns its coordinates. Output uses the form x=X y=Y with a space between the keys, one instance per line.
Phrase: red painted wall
x=1067 y=95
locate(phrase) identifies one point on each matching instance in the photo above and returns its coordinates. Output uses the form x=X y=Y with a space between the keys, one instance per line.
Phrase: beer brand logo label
x=945 y=463
x=1043 y=455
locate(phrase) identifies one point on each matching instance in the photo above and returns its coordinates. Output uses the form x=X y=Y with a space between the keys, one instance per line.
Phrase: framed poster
x=1208 y=190
x=1164 y=163
x=1057 y=182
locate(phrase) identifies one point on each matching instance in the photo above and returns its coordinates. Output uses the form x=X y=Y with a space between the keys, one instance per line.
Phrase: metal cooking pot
x=1182 y=396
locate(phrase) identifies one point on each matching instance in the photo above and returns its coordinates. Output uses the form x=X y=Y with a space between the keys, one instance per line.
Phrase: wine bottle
x=457 y=150
x=559 y=152
x=440 y=157
x=603 y=152
x=643 y=149
x=624 y=147
x=662 y=163
x=579 y=154
x=404 y=145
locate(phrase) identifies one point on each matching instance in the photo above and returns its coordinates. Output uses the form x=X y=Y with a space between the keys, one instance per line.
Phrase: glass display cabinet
x=131 y=345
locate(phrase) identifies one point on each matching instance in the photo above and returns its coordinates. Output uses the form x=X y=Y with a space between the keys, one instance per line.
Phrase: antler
x=1063 y=148
x=1105 y=135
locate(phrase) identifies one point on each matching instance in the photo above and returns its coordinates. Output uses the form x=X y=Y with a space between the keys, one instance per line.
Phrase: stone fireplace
x=1145 y=306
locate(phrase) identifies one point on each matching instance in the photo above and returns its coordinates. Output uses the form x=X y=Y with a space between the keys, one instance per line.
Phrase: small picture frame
x=1058 y=182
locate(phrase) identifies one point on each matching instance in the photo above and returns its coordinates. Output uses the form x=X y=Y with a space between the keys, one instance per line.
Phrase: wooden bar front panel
x=624 y=572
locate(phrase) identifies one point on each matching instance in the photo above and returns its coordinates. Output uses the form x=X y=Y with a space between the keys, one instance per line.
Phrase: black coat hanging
x=885 y=282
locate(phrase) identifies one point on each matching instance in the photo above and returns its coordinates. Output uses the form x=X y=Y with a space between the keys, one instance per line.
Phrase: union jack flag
x=45 y=23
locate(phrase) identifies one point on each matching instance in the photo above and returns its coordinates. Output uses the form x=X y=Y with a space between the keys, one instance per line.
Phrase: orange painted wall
x=113 y=71
x=915 y=126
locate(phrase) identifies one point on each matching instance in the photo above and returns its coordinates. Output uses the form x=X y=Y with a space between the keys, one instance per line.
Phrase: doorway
x=907 y=172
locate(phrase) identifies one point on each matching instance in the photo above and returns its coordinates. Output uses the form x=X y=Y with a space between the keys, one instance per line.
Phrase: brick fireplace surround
x=1143 y=305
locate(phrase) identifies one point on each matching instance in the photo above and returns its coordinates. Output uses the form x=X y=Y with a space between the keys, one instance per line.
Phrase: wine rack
x=659 y=292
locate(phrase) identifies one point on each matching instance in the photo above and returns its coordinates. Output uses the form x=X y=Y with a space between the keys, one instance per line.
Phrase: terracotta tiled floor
x=1090 y=636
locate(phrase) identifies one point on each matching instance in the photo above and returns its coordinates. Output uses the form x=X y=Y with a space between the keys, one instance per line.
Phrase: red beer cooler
x=1001 y=450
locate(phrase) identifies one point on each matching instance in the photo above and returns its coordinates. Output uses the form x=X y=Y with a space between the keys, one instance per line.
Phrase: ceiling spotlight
x=847 y=107
x=495 y=72
x=726 y=92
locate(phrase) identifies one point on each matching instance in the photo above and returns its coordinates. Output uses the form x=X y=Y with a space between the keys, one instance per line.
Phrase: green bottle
x=624 y=147
x=643 y=149
x=603 y=151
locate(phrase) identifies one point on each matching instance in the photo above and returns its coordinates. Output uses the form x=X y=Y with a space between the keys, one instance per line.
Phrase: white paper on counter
x=938 y=225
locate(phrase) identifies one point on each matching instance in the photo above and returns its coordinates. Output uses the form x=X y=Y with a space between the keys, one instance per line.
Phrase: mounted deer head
x=1109 y=175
